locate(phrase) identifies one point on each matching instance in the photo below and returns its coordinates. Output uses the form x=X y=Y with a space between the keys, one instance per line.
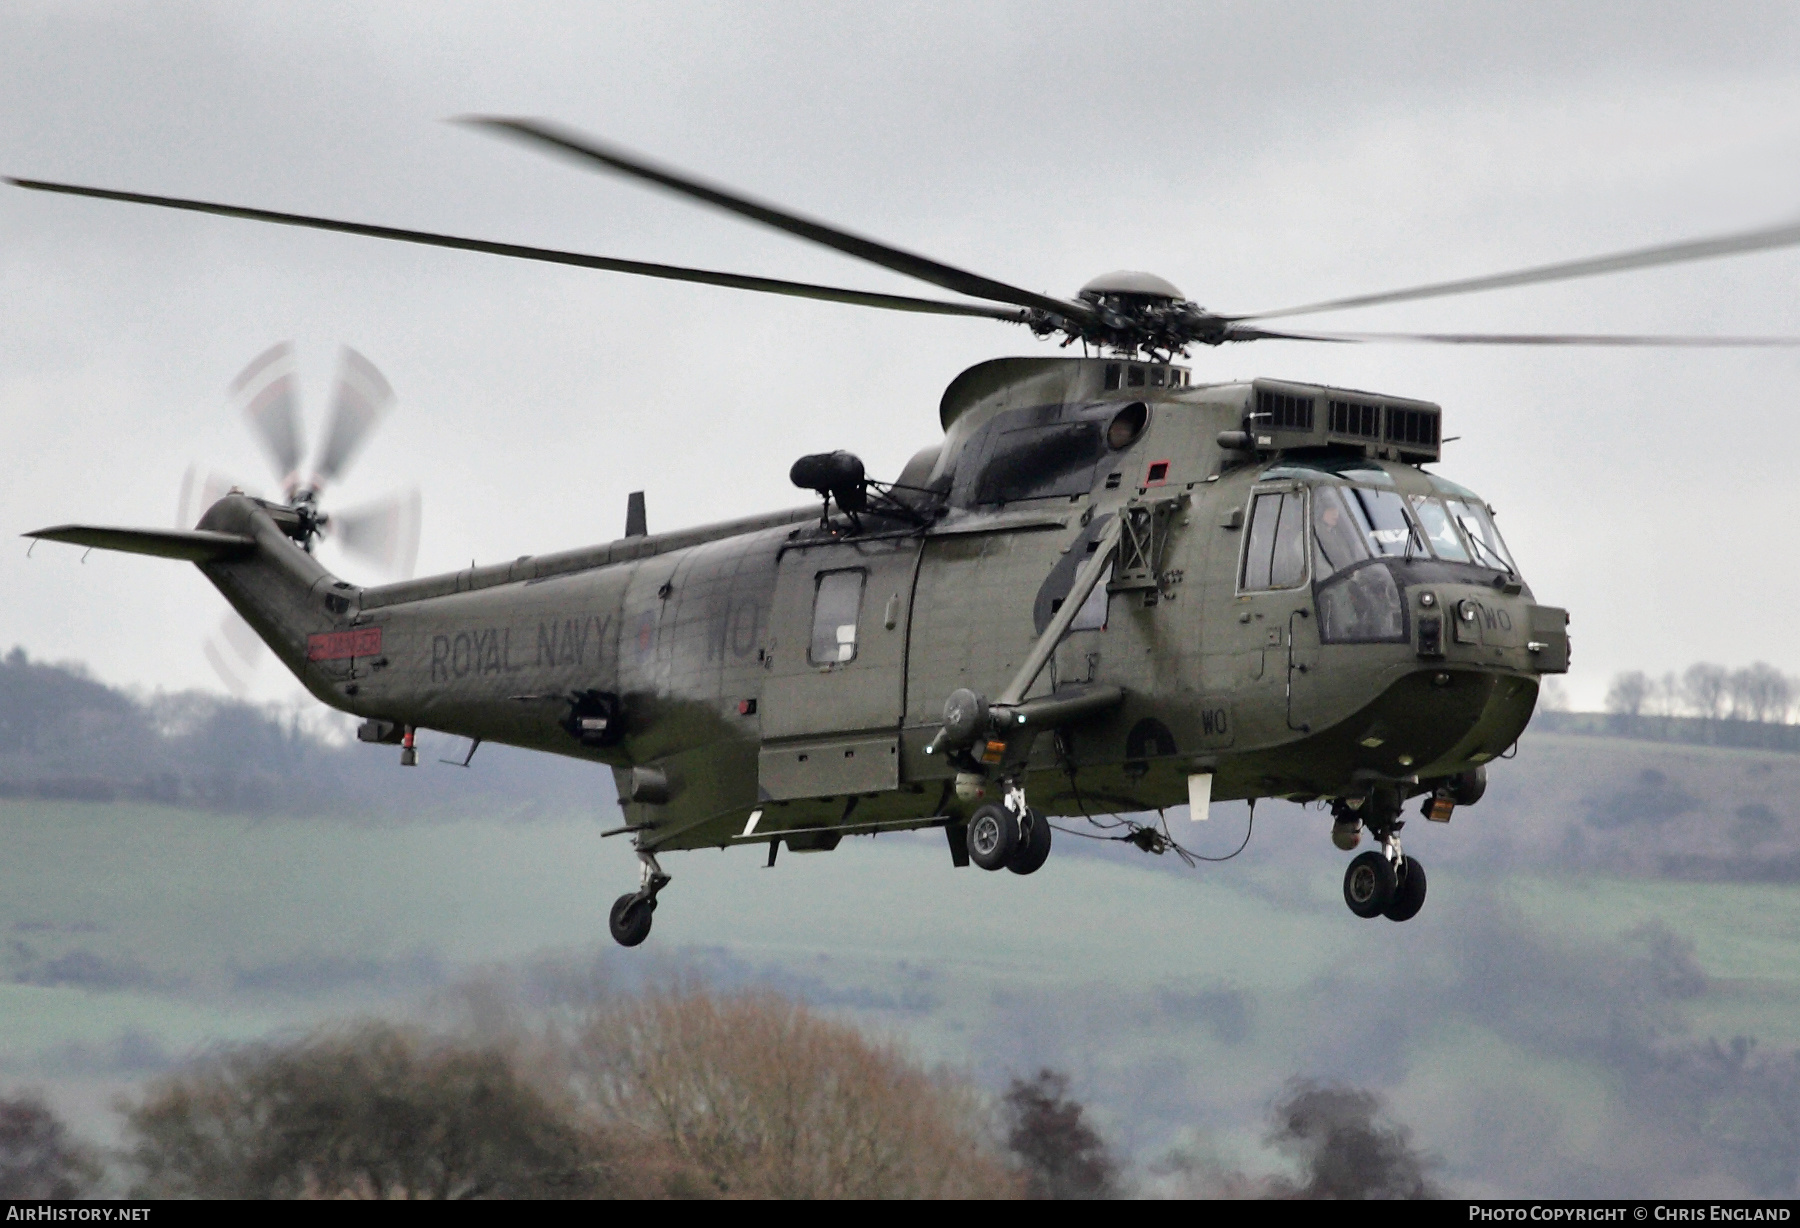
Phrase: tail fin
x=296 y=607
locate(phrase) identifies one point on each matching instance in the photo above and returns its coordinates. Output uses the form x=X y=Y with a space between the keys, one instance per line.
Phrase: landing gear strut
x=631 y=914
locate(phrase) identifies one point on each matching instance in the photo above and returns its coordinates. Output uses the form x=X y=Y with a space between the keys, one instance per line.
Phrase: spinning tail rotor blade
x=234 y=651
x=385 y=533
x=1764 y=239
x=200 y=489
x=269 y=396
x=362 y=398
x=624 y=162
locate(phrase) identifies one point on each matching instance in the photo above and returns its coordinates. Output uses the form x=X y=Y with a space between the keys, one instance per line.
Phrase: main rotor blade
x=385 y=532
x=362 y=397
x=266 y=390
x=668 y=272
x=938 y=274
x=1250 y=333
x=1765 y=239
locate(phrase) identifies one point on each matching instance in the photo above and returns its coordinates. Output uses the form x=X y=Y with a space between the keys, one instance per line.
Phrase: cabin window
x=1483 y=535
x=836 y=605
x=1438 y=530
x=1275 y=549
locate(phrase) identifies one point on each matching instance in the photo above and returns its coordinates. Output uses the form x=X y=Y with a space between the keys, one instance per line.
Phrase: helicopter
x=1108 y=589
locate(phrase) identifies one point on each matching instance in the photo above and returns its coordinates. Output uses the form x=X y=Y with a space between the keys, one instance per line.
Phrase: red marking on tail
x=341 y=645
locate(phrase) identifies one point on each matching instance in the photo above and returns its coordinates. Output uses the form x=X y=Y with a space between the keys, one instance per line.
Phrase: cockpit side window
x=1385 y=525
x=1443 y=536
x=1275 y=547
x=1483 y=535
x=1337 y=543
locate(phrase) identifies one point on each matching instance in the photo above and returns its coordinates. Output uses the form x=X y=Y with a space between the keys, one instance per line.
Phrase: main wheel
x=1029 y=855
x=630 y=919
x=993 y=834
x=1369 y=884
x=1409 y=895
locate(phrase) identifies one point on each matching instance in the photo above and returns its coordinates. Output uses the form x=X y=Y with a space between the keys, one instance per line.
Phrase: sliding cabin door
x=836 y=686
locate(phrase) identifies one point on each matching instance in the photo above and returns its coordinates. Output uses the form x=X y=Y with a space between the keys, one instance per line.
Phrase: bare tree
x=374 y=1112
x=758 y=1097
x=1704 y=687
x=1665 y=696
x=1344 y=1149
x=1628 y=693
x=38 y=1156
x=1760 y=692
x=1061 y=1154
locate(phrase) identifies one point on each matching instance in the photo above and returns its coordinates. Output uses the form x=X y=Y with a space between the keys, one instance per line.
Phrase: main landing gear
x=1383 y=882
x=1012 y=836
x=631 y=914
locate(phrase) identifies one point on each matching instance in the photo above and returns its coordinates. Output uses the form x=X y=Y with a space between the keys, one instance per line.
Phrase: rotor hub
x=1128 y=284
x=1133 y=311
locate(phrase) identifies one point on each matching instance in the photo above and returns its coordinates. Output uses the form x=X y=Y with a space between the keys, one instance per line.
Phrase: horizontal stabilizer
x=193 y=545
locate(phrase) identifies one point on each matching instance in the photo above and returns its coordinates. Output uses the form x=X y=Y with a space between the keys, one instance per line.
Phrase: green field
x=1179 y=1001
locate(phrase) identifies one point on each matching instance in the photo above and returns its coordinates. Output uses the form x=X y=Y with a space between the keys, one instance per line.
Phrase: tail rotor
x=383 y=533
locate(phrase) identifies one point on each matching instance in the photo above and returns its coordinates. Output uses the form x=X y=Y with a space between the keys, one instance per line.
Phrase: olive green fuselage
x=710 y=639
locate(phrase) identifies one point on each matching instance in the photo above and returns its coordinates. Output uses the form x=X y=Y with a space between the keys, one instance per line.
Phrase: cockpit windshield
x=1355 y=527
x=1381 y=515
x=1436 y=522
x=1483 y=535
x=1355 y=523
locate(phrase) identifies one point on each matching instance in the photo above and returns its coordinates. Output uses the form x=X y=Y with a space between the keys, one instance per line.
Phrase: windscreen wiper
x=1481 y=547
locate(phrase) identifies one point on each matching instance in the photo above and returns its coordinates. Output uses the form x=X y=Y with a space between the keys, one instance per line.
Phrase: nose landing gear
x=1383 y=882
x=631 y=914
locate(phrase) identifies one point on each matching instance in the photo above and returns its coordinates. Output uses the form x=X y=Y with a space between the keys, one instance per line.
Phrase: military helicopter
x=1106 y=589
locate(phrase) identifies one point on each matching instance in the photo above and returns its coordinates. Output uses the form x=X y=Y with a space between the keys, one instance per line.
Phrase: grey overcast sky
x=1255 y=154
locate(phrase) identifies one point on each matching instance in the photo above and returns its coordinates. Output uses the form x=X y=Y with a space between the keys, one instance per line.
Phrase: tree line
x=67 y=736
x=675 y=1093
x=1757 y=692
